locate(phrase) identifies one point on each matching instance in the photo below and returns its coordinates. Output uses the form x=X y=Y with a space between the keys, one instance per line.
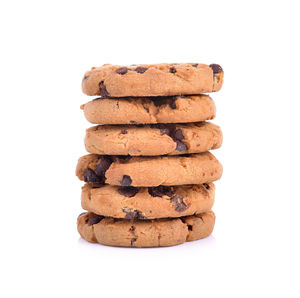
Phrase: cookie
x=147 y=203
x=150 y=110
x=152 y=80
x=154 y=139
x=149 y=171
x=144 y=233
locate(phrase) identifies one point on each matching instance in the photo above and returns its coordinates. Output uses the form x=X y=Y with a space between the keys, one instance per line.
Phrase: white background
x=46 y=46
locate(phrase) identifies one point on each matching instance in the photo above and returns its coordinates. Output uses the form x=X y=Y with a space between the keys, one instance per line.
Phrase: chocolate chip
x=141 y=69
x=94 y=219
x=178 y=134
x=90 y=176
x=128 y=191
x=124 y=131
x=85 y=78
x=126 y=181
x=172 y=69
x=133 y=122
x=133 y=214
x=160 y=191
x=216 y=68
x=168 y=100
x=206 y=185
x=180 y=146
x=190 y=228
x=195 y=65
x=132 y=241
x=122 y=70
x=178 y=202
x=146 y=109
x=103 y=90
x=175 y=134
x=104 y=163
x=173 y=103
x=132 y=229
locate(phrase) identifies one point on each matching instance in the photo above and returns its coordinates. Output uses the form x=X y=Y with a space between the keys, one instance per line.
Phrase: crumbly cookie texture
x=152 y=80
x=149 y=171
x=174 y=109
x=144 y=233
x=147 y=202
x=155 y=139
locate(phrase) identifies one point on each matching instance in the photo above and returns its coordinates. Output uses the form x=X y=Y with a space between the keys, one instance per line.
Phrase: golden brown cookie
x=155 y=139
x=175 y=109
x=152 y=80
x=147 y=202
x=149 y=171
x=144 y=233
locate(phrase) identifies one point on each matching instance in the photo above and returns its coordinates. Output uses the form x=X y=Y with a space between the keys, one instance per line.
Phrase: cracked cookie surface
x=149 y=171
x=152 y=80
x=147 y=203
x=176 y=109
x=155 y=139
x=144 y=233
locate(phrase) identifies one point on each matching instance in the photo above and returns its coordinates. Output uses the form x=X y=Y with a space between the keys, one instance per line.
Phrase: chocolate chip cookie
x=152 y=80
x=155 y=139
x=147 y=202
x=150 y=110
x=149 y=171
x=144 y=233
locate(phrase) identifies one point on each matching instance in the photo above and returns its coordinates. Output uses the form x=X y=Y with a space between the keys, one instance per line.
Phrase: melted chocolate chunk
x=122 y=70
x=132 y=229
x=178 y=202
x=128 y=191
x=133 y=214
x=175 y=134
x=172 y=69
x=195 y=65
x=168 y=100
x=173 y=103
x=141 y=69
x=124 y=131
x=180 y=146
x=103 y=90
x=216 y=68
x=190 y=228
x=126 y=181
x=90 y=176
x=104 y=163
x=94 y=219
x=178 y=134
x=160 y=191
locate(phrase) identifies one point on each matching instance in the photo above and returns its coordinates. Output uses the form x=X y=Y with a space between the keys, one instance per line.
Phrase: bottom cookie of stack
x=144 y=233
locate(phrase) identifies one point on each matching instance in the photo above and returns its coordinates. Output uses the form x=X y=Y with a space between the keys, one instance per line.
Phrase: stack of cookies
x=149 y=173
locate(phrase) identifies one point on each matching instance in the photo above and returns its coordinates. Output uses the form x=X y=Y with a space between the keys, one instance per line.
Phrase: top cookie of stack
x=152 y=80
